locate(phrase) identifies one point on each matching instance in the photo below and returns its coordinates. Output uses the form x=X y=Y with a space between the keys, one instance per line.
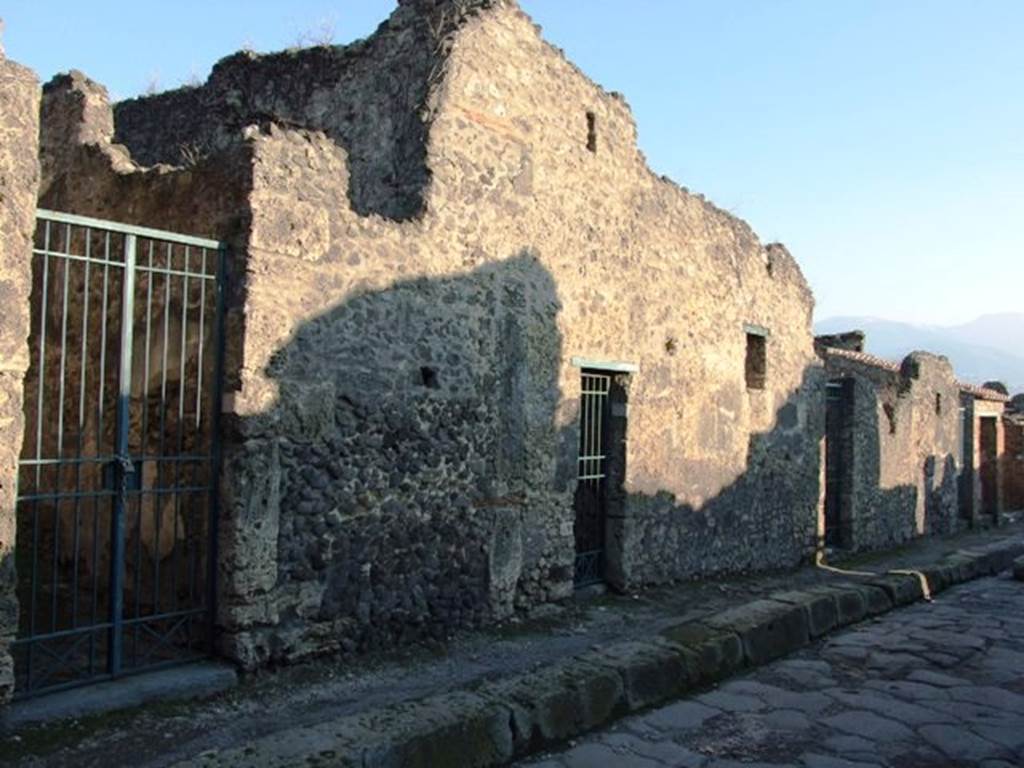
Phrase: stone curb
x=514 y=717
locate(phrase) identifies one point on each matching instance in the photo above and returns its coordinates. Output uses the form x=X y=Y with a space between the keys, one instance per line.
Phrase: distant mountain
x=990 y=348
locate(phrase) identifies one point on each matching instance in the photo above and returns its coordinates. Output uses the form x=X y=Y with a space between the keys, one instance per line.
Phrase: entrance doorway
x=988 y=465
x=591 y=500
x=116 y=505
x=838 y=461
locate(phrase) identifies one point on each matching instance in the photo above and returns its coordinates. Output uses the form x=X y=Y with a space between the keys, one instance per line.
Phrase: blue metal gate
x=117 y=502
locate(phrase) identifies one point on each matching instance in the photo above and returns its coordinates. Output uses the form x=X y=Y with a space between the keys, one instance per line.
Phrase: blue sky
x=882 y=141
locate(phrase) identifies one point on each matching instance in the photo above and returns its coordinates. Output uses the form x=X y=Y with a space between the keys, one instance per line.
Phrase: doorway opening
x=988 y=467
x=838 y=462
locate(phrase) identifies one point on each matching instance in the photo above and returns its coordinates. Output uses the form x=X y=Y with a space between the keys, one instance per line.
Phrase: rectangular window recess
x=605 y=365
x=756 y=330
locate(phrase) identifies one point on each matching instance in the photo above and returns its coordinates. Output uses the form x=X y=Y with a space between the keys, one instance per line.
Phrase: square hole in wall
x=591 y=131
x=757 y=361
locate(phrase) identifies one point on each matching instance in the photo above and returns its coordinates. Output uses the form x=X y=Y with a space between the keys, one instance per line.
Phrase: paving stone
x=1010 y=737
x=869 y=725
x=930 y=677
x=732 y=702
x=828 y=761
x=670 y=753
x=846 y=745
x=681 y=716
x=990 y=696
x=960 y=744
x=904 y=712
x=809 y=702
x=909 y=691
x=786 y=720
x=594 y=755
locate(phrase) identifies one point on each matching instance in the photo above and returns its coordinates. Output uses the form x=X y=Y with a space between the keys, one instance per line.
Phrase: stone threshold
x=495 y=722
x=188 y=681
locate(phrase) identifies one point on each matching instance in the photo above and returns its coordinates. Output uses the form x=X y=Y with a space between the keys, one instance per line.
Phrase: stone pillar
x=19 y=186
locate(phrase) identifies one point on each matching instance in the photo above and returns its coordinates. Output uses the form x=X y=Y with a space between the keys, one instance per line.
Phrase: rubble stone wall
x=430 y=227
x=409 y=405
x=907 y=449
x=19 y=181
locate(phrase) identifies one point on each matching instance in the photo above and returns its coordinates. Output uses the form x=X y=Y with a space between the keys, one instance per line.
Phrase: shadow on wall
x=416 y=476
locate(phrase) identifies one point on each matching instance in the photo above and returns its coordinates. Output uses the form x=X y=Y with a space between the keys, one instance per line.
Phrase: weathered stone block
x=960 y=568
x=447 y=731
x=851 y=605
x=876 y=600
x=716 y=653
x=901 y=589
x=559 y=701
x=1018 y=569
x=821 y=607
x=651 y=672
x=767 y=629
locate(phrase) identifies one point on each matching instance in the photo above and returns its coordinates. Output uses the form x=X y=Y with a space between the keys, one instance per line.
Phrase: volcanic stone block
x=716 y=653
x=821 y=608
x=767 y=629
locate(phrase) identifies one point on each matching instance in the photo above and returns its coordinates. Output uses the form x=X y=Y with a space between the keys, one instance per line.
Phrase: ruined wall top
x=852 y=341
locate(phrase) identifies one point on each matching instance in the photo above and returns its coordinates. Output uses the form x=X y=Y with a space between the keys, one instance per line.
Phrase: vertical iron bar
x=123 y=466
x=194 y=542
x=59 y=455
x=215 y=452
x=143 y=450
x=157 y=503
x=82 y=386
x=100 y=409
x=182 y=355
x=40 y=399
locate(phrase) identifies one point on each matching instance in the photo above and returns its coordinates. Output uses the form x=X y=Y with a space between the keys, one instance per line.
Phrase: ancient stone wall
x=431 y=226
x=19 y=180
x=408 y=409
x=906 y=448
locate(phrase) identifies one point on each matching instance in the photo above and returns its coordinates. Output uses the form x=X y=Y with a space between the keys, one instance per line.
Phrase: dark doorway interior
x=591 y=501
x=988 y=466
x=838 y=461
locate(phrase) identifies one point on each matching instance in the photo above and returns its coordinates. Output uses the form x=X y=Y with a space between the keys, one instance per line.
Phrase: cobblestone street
x=933 y=685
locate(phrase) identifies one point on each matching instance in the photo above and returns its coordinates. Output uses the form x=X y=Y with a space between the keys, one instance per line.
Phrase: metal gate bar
x=116 y=526
x=591 y=476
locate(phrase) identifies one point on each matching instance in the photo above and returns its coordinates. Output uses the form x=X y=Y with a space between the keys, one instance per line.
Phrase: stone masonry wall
x=422 y=262
x=408 y=406
x=906 y=447
x=19 y=180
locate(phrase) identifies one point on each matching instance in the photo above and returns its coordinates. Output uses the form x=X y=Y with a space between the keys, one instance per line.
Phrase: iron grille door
x=116 y=509
x=591 y=487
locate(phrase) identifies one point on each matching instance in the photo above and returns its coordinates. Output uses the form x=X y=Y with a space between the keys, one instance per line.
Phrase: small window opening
x=591 y=131
x=938 y=403
x=428 y=377
x=756 y=363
